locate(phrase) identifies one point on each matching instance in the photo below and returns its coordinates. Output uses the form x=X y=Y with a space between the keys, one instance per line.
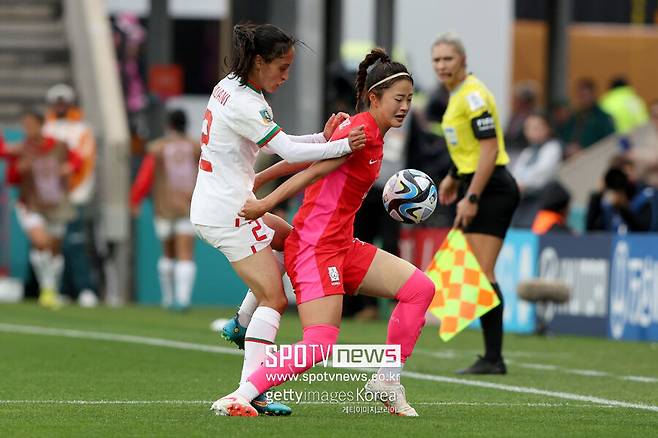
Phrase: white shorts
x=237 y=243
x=29 y=220
x=167 y=228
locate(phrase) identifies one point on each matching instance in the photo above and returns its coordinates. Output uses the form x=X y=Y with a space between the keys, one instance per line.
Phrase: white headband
x=388 y=78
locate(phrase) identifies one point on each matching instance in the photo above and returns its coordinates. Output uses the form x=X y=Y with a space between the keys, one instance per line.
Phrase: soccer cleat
x=234 y=332
x=49 y=299
x=266 y=407
x=485 y=366
x=392 y=395
x=233 y=406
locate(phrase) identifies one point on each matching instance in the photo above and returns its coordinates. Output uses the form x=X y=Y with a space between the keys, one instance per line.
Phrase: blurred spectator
x=620 y=207
x=171 y=167
x=41 y=167
x=537 y=165
x=589 y=124
x=554 y=210
x=627 y=109
x=561 y=114
x=651 y=178
x=129 y=37
x=653 y=112
x=524 y=103
x=64 y=122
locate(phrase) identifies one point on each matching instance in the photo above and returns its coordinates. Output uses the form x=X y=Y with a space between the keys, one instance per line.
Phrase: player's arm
x=255 y=208
x=278 y=170
x=484 y=128
x=483 y=125
x=292 y=152
x=142 y=185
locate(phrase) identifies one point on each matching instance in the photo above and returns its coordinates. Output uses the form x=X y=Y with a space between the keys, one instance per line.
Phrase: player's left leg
x=234 y=329
x=392 y=277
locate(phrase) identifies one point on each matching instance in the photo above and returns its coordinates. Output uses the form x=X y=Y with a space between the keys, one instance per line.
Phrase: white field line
x=581 y=372
x=448 y=353
x=77 y=334
x=208 y=402
x=453 y=354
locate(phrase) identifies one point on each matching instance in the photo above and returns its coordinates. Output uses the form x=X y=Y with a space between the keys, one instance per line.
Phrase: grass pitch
x=146 y=372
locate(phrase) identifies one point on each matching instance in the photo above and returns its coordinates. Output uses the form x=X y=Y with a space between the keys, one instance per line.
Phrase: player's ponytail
x=372 y=75
x=249 y=40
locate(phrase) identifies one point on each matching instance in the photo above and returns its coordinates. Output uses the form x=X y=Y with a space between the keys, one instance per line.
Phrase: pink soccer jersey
x=326 y=217
x=322 y=256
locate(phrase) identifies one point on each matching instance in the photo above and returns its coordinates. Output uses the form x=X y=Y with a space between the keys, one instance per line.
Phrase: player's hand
x=466 y=211
x=448 y=190
x=357 y=138
x=334 y=122
x=253 y=209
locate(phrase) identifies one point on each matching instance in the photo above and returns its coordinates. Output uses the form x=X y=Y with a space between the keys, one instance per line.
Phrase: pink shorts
x=316 y=274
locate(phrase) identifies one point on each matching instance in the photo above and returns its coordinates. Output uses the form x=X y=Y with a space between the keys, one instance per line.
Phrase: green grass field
x=146 y=372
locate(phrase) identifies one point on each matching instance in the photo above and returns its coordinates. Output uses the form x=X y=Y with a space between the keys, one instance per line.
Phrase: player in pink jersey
x=325 y=261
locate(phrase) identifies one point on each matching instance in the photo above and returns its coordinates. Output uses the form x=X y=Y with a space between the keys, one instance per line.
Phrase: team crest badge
x=266 y=116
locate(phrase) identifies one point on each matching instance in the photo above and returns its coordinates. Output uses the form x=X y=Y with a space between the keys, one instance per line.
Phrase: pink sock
x=408 y=317
x=317 y=342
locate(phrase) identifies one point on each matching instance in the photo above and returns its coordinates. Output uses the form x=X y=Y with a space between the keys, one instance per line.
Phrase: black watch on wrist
x=473 y=198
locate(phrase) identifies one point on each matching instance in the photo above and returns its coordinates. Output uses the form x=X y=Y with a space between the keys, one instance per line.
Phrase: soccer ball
x=410 y=196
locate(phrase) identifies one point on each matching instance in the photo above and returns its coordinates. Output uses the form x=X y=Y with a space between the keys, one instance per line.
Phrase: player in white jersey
x=237 y=124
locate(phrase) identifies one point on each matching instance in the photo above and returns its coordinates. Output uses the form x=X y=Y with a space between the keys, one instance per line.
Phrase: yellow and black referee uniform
x=472 y=116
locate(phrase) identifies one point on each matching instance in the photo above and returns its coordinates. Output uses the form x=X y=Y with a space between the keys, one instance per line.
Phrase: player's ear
x=373 y=99
x=258 y=62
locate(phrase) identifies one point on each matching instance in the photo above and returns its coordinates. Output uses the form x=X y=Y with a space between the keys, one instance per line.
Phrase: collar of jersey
x=254 y=87
x=456 y=90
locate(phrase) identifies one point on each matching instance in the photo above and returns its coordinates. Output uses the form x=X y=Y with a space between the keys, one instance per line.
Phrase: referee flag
x=463 y=292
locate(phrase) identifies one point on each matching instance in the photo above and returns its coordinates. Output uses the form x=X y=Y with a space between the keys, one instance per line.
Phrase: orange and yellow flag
x=463 y=292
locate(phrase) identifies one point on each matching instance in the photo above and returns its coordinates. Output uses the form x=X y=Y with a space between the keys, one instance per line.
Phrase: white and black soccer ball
x=410 y=196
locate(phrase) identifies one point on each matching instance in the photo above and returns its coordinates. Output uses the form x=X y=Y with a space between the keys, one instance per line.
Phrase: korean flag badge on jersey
x=266 y=116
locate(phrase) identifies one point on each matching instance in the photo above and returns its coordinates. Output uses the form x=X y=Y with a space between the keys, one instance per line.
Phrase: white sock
x=56 y=270
x=261 y=332
x=185 y=272
x=247 y=390
x=38 y=260
x=166 y=277
x=247 y=308
x=389 y=374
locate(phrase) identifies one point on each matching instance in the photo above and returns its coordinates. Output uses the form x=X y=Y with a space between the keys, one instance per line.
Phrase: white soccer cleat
x=233 y=405
x=392 y=395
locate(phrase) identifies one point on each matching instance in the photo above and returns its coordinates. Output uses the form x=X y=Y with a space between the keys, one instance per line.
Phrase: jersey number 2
x=256 y=229
x=205 y=128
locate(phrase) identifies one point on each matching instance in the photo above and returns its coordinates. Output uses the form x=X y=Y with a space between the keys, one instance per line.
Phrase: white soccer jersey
x=237 y=121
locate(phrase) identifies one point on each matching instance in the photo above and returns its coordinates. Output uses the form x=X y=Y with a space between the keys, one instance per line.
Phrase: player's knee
x=426 y=289
x=418 y=289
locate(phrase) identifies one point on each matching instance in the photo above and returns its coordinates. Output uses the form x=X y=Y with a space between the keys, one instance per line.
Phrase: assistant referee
x=487 y=191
